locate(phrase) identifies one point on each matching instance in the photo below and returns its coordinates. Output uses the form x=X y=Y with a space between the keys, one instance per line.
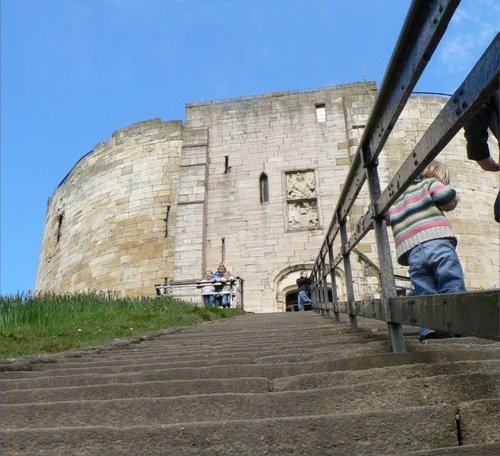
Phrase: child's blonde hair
x=438 y=170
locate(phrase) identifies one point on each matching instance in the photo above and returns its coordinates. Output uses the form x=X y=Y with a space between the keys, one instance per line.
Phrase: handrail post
x=319 y=287
x=348 y=274
x=313 y=289
x=387 y=280
x=316 y=297
x=334 y=283
x=325 y=282
x=241 y=293
x=319 y=293
x=317 y=281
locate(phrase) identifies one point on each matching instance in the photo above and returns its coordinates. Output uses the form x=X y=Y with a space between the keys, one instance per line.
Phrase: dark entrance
x=291 y=302
x=292 y=305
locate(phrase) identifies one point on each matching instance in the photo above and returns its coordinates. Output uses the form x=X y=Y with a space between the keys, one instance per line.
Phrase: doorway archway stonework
x=285 y=282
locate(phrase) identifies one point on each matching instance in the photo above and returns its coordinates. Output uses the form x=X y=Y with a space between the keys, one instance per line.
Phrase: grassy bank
x=49 y=324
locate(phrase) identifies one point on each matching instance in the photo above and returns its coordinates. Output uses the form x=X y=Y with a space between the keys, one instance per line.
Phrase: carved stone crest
x=301 y=200
x=301 y=185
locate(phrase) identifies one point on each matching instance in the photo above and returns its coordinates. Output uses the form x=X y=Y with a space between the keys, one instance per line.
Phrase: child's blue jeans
x=435 y=268
x=208 y=300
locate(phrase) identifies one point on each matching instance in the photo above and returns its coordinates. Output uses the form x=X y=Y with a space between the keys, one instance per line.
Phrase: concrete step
x=175 y=355
x=367 y=433
x=59 y=370
x=175 y=352
x=395 y=373
x=363 y=397
x=275 y=384
x=136 y=390
x=486 y=449
x=110 y=364
x=246 y=384
x=270 y=371
x=173 y=348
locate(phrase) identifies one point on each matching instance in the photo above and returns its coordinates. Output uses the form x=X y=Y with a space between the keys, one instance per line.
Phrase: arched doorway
x=291 y=302
x=286 y=288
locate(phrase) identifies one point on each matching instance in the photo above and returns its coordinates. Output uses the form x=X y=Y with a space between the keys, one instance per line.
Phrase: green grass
x=50 y=324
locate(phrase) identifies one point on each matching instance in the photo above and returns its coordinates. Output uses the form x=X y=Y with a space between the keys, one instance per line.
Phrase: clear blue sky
x=75 y=71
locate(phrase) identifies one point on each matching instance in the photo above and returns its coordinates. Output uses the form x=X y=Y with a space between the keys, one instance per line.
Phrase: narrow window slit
x=227 y=168
x=166 y=221
x=264 y=188
x=60 y=218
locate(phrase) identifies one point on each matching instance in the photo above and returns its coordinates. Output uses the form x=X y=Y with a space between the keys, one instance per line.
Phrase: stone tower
x=251 y=181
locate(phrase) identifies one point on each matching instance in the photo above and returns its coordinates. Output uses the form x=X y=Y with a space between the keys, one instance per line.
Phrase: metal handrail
x=190 y=290
x=424 y=27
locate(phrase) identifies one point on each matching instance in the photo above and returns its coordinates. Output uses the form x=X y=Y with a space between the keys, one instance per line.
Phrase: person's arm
x=489 y=164
x=476 y=134
x=450 y=205
x=443 y=195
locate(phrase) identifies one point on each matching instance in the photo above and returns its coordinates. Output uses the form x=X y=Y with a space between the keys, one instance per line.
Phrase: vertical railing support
x=322 y=284
x=387 y=281
x=319 y=285
x=314 y=293
x=348 y=274
x=324 y=275
x=335 y=299
x=317 y=290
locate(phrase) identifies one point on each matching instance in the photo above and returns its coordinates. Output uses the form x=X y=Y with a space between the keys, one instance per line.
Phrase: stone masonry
x=251 y=181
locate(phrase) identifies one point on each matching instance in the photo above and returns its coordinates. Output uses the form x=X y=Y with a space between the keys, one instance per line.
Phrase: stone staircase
x=260 y=384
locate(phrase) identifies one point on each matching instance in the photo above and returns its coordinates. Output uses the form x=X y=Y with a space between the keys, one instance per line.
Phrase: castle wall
x=279 y=135
x=165 y=200
x=191 y=225
x=105 y=225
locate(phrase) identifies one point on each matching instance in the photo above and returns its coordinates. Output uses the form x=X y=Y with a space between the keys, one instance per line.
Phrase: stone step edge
x=271 y=371
x=381 y=359
x=250 y=437
x=275 y=385
x=262 y=400
x=193 y=384
x=26 y=363
x=484 y=449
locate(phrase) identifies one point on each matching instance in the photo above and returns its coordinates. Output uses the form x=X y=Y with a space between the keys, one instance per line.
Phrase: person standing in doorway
x=303 y=283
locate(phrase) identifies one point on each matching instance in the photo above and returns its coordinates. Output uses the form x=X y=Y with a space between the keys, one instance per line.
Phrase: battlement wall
x=105 y=225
